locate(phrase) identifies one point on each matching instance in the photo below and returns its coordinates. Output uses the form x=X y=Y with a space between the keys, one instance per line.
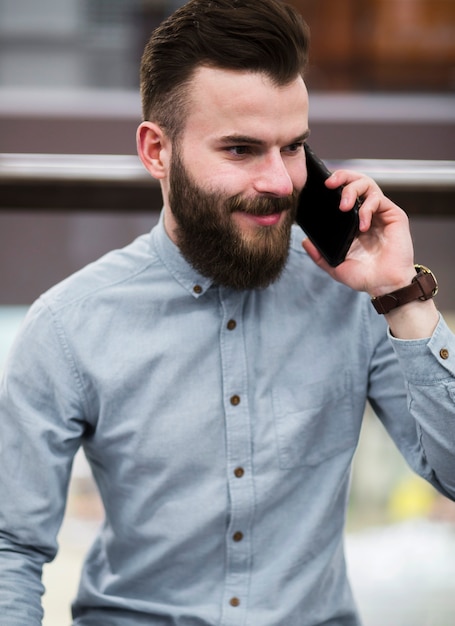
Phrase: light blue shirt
x=220 y=426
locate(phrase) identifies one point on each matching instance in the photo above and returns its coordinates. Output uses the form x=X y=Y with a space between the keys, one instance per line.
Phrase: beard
x=215 y=246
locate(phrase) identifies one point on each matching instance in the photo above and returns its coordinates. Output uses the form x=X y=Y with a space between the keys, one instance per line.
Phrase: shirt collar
x=176 y=264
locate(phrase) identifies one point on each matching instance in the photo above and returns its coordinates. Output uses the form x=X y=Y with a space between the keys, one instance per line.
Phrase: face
x=235 y=175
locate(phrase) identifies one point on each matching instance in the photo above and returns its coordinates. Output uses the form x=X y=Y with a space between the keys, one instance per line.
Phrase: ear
x=153 y=148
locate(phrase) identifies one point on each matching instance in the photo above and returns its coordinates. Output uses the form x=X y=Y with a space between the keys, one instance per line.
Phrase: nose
x=273 y=177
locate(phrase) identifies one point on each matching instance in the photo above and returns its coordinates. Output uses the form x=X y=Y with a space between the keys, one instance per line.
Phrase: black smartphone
x=332 y=231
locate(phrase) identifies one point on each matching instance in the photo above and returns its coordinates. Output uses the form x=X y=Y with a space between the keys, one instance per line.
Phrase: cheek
x=298 y=174
x=223 y=180
x=210 y=172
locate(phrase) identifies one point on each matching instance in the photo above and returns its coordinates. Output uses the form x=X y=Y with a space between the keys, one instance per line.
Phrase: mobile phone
x=331 y=230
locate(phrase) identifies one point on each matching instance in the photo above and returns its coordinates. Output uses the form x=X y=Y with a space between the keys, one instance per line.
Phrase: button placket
x=238 y=443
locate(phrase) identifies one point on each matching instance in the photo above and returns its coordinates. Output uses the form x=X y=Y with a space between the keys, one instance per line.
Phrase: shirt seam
x=54 y=306
x=69 y=356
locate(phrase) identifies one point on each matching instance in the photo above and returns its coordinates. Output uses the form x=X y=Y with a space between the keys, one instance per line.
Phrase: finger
x=346 y=177
x=377 y=204
x=315 y=255
x=365 y=218
x=360 y=188
x=355 y=187
x=312 y=251
x=368 y=207
x=339 y=178
x=353 y=180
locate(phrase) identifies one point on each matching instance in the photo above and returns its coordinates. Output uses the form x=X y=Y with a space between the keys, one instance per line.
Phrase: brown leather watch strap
x=423 y=287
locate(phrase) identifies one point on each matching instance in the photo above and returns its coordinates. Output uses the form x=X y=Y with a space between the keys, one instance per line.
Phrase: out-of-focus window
x=75 y=43
x=382 y=45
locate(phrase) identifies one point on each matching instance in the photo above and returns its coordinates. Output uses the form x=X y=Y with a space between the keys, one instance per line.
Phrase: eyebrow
x=253 y=141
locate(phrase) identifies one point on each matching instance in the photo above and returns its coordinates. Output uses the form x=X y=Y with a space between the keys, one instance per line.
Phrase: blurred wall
x=381 y=78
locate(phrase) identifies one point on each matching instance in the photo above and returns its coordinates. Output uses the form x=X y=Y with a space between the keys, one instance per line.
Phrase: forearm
x=38 y=441
x=20 y=586
x=429 y=369
x=415 y=320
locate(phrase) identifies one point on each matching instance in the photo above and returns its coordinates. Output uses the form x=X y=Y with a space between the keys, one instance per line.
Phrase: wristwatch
x=423 y=287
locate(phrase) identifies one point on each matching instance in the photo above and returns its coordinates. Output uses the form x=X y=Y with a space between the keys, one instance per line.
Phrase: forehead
x=227 y=101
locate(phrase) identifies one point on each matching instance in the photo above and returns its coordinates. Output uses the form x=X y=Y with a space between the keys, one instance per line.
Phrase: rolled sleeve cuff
x=427 y=360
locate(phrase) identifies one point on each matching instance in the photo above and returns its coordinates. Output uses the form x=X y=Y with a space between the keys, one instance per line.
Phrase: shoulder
x=121 y=268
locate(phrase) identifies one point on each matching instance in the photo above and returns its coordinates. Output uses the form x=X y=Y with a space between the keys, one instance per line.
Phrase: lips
x=266 y=220
x=269 y=219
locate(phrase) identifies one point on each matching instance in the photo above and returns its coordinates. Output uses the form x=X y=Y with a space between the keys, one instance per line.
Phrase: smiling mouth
x=269 y=219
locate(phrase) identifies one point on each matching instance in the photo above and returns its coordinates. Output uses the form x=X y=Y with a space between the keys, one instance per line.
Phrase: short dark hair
x=265 y=36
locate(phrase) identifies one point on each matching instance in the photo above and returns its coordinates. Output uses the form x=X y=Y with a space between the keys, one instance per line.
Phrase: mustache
x=262 y=205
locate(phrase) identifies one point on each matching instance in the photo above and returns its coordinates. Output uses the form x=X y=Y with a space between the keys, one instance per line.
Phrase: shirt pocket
x=315 y=422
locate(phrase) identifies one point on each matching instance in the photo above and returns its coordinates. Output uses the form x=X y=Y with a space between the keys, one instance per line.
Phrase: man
x=214 y=371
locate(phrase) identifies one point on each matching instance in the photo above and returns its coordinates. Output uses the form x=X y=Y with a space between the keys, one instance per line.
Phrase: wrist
x=415 y=320
x=422 y=286
x=401 y=281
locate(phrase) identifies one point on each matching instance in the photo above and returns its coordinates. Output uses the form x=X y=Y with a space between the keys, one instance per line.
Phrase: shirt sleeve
x=428 y=366
x=40 y=431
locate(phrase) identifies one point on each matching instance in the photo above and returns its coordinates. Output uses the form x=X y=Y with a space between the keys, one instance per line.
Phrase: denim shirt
x=220 y=427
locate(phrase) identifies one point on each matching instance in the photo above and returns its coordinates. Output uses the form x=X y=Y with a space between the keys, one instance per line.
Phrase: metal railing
x=120 y=183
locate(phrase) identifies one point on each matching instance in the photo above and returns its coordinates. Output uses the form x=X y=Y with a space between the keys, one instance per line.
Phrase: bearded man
x=216 y=370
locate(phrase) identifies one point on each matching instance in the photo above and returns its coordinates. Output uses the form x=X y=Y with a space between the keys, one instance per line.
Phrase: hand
x=381 y=258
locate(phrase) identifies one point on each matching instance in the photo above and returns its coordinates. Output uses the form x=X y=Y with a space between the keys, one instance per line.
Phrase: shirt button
x=235 y=400
x=231 y=324
x=239 y=472
x=444 y=353
x=238 y=536
x=197 y=289
x=234 y=602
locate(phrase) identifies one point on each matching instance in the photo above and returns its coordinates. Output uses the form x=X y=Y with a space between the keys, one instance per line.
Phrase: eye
x=239 y=150
x=294 y=148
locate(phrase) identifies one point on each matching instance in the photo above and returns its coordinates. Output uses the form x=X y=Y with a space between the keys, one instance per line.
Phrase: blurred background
x=382 y=99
